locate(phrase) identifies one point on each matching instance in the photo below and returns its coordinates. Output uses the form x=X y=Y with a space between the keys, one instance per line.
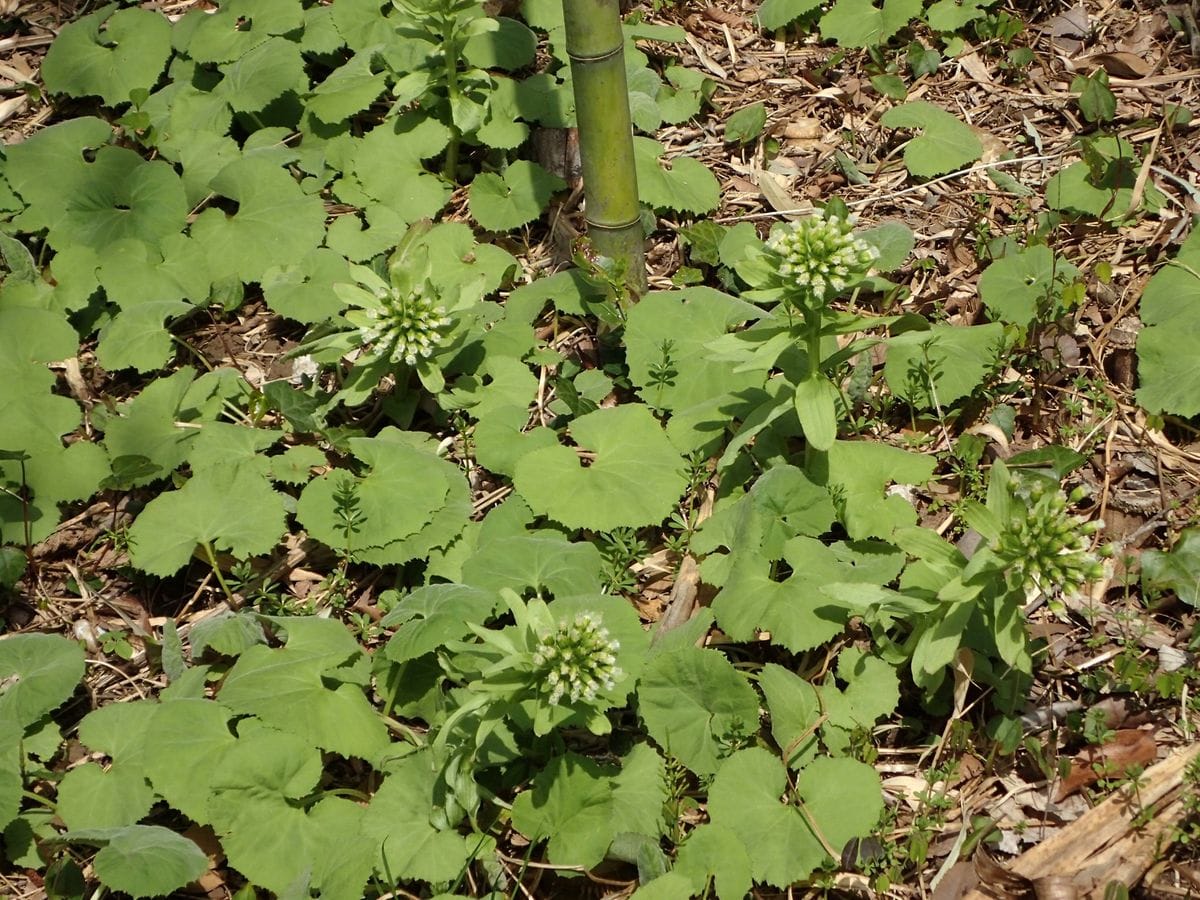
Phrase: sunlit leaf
x=945 y=143
x=634 y=478
x=143 y=860
x=696 y=705
x=1168 y=367
x=108 y=54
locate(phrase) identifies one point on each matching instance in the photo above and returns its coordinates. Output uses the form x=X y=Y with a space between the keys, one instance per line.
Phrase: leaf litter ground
x=1076 y=389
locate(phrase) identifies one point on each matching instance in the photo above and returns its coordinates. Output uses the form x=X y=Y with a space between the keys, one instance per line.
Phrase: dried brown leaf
x=1121 y=64
x=1128 y=748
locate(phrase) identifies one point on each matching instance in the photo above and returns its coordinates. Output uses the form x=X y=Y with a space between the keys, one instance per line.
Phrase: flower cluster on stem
x=819 y=255
x=577 y=660
x=405 y=326
x=1046 y=547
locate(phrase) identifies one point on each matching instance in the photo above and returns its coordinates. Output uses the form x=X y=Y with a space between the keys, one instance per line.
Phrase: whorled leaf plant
x=802 y=268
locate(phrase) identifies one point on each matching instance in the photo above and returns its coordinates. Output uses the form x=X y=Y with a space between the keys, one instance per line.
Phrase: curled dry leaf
x=1121 y=64
x=724 y=16
x=1128 y=748
x=803 y=130
x=1073 y=23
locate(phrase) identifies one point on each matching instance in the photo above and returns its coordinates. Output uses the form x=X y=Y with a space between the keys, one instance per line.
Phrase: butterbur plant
x=556 y=663
x=399 y=319
x=1039 y=545
x=803 y=267
x=404 y=324
x=1047 y=547
x=818 y=258
x=1032 y=545
x=577 y=659
x=442 y=85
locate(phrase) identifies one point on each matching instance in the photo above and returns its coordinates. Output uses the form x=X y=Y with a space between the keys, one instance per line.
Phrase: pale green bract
x=405 y=325
x=577 y=659
x=1047 y=548
x=821 y=254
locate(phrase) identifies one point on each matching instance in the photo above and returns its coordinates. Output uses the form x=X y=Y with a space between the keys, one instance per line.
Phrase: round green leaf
x=745 y=798
x=941 y=365
x=843 y=797
x=635 y=478
x=12 y=565
x=37 y=673
x=144 y=860
x=137 y=338
x=841 y=800
x=108 y=56
x=117 y=195
x=860 y=23
x=571 y=804
x=545 y=562
x=90 y=796
x=581 y=805
x=665 y=340
x=945 y=143
x=695 y=705
x=262 y=75
x=501 y=203
x=347 y=91
x=684 y=184
x=511 y=46
x=717 y=851
x=119 y=730
x=405 y=805
x=304 y=291
x=28 y=334
x=237 y=27
x=276 y=223
x=799 y=615
x=775 y=14
x=1168 y=366
x=746 y=124
x=1178 y=570
x=893 y=240
x=795 y=711
x=1015 y=287
x=183 y=749
x=173 y=523
x=394 y=500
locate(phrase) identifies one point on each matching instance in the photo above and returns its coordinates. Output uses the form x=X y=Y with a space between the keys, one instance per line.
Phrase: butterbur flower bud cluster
x=407 y=326
x=820 y=254
x=1046 y=547
x=577 y=660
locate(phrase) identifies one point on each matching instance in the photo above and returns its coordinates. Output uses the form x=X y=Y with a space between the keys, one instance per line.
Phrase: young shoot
x=1044 y=547
x=804 y=266
x=552 y=666
x=577 y=660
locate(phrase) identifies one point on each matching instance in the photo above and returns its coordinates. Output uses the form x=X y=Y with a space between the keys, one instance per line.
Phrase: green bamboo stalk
x=596 y=48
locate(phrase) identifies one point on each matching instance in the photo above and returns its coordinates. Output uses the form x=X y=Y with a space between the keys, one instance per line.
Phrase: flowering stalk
x=818 y=257
x=552 y=667
x=805 y=265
